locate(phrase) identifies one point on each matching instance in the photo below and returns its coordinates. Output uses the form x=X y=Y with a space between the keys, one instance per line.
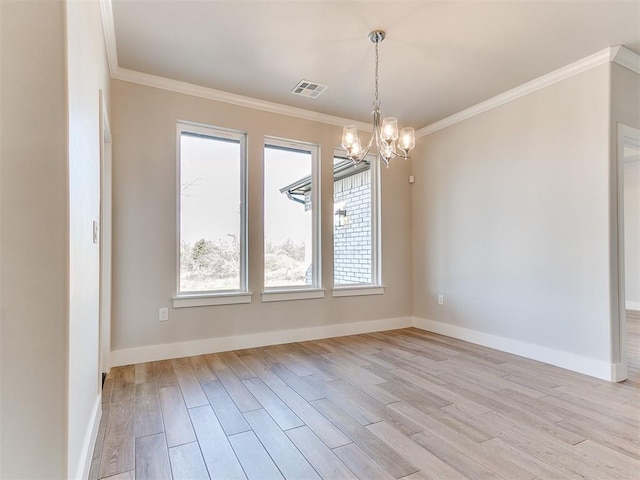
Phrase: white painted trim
x=109 y=32
x=621 y=55
x=232 y=98
x=619 y=372
x=84 y=464
x=211 y=345
x=232 y=298
x=571 y=361
x=626 y=58
x=630 y=305
x=285 y=295
x=357 y=290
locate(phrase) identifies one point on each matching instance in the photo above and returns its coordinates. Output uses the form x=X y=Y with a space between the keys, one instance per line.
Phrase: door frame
x=105 y=238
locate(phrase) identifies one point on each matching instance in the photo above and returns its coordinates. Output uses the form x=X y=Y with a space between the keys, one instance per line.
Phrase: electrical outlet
x=163 y=315
x=440 y=299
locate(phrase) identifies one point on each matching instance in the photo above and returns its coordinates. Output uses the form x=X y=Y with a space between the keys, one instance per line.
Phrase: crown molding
x=232 y=98
x=626 y=58
x=619 y=54
x=177 y=86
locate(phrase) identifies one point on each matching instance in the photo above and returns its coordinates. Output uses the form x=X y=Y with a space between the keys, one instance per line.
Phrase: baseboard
x=632 y=305
x=619 y=372
x=570 y=361
x=84 y=464
x=222 y=344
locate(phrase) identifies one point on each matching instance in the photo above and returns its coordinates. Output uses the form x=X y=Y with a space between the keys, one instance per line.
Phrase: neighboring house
x=352 y=219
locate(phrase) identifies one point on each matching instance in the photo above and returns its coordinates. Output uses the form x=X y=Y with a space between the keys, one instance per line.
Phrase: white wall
x=33 y=240
x=87 y=74
x=144 y=269
x=511 y=224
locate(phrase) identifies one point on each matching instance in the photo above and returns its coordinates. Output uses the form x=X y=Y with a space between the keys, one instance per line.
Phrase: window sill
x=209 y=299
x=285 y=295
x=357 y=290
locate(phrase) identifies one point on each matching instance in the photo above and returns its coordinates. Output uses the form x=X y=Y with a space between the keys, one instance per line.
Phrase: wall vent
x=308 y=89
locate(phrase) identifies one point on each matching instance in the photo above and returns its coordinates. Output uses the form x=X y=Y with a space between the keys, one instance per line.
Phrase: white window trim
x=278 y=293
x=209 y=299
x=376 y=287
x=218 y=297
x=286 y=294
x=357 y=290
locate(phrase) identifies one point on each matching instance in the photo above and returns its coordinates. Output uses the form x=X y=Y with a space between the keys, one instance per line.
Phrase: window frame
x=214 y=297
x=299 y=292
x=376 y=287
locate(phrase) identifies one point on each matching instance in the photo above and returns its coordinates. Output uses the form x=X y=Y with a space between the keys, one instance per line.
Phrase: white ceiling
x=438 y=57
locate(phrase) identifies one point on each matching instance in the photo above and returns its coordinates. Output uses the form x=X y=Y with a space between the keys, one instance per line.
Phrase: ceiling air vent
x=308 y=89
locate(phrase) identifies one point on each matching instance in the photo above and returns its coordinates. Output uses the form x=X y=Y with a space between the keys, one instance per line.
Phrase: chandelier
x=387 y=141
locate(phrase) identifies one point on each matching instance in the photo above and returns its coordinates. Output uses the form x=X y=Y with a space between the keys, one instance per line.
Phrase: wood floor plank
x=177 y=424
x=187 y=463
x=321 y=458
x=331 y=435
x=165 y=376
x=393 y=462
x=357 y=412
x=279 y=411
x=217 y=452
x=145 y=373
x=152 y=458
x=286 y=456
x=423 y=459
x=190 y=387
x=255 y=460
x=123 y=384
x=242 y=371
x=380 y=410
x=360 y=463
x=119 y=446
x=301 y=387
x=148 y=414
x=201 y=369
x=262 y=372
x=225 y=409
x=529 y=462
x=234 y=386
x=451 y=437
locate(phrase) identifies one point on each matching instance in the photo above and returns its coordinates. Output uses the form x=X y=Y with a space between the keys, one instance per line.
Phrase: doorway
x=629 y=248
x=105 y=240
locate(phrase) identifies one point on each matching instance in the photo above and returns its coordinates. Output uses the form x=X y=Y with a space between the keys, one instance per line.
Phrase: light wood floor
x=401 y=404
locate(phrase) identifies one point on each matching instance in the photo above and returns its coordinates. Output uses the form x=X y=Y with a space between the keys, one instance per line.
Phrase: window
x=291 y=215
x=356 y=220
x=212 y=211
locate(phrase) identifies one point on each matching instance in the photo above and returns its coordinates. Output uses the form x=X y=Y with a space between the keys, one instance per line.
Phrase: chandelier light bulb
x=349 y=136
x=407 y=139
x=389 y=129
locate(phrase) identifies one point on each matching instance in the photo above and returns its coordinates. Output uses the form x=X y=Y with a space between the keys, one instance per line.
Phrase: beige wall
x=144 y=268
x=87 y=74
x=511 y=221
x=33 y=240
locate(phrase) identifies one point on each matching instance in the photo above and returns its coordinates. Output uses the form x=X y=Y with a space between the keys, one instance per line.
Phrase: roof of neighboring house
x=342 y=169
